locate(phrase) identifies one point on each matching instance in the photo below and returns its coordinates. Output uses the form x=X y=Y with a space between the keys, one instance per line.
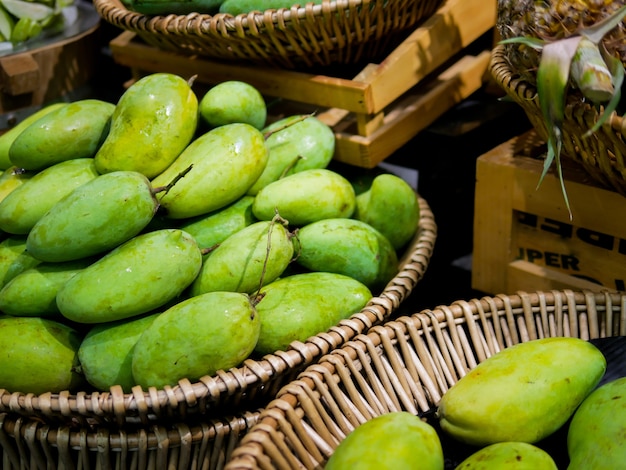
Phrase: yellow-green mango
x=215 y=227
x=509 y=455
x=196 y=337
x=596 y=437
x=295 y=143
x=25 y=205
x=14 y=258
x=523 y=393
x=349 y=247
x=33 y=291
x=219 y=167
x=75 y=130
x=106 y=352
x=94 y=218
x=138 y=276
x=395 y=440
x=391 y=206
x=299 y=306
x=38 y=355
x=7 y=139
x=12 y=178
x=306 y=197
x=233 y=101
x=154 y=120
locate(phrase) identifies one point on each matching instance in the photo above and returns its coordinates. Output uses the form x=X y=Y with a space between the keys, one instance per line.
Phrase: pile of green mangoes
x=166 y=237
x=501 y=411
x=232 y=7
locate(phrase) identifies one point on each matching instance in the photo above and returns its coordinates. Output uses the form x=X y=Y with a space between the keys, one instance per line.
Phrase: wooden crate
x=524 y=238
x=373 y=112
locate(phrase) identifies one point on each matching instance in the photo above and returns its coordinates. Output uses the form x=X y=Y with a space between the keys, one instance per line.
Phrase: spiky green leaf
x=600 y=29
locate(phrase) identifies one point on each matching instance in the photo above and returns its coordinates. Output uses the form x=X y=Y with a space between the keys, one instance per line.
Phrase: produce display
x=143 y=242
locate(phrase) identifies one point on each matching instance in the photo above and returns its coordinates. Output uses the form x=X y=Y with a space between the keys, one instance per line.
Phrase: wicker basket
x=408 y=364
x=335 y=32
x=603 y=154
x=247 y=387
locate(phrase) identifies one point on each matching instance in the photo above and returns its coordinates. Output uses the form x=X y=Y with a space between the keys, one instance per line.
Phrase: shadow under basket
x=408 y=364
x=334 y=32
x=602 y=154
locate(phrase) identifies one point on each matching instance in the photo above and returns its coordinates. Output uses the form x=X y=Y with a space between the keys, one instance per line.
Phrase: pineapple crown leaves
x=583 y=60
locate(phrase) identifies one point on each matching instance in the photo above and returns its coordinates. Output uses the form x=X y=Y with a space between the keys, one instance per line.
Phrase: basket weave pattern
x=408 y=364
x=335 y=32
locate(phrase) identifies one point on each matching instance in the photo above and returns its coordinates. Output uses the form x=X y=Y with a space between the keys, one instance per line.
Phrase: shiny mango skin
x=94 y=218
x=25 y=205
x=523 y=393
x=224 y=163
x=597 y=432
x=395 y=440
x=296 y=307
x=12 y=178
x=196 y=337
x=154 y=120
x=75 y=130
x=141 y=275
x=509 y=455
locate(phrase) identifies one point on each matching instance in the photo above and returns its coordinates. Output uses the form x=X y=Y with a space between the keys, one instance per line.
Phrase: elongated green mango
x=597 y=432
x=236 y=7
x=299 y=306
x=94 y=218
x=25 y=205
x=106 y=352
x=14 y=258
x=172 y=7
x=295 y=144
x=12 y=178
x=7 y=139
x=349 y=247
x=523 y=393
x=254 y=255
x=38 y=355
x=224 y=163
x=153 y=121
x=509 y=455
x=196 y=337
x=138 y=276
x=75 y=130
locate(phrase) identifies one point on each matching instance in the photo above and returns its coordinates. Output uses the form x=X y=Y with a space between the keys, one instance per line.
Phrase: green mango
x=509 y=455
x=295 y=144
x=350 y=247
x=235 y=7
x=12 y=178
x=94 y=218
x=14 y=258
x=196 y=337
x=106 y=352
x=254 y=255
x=220 y=167
x=596 y=437
x=138 y=276
x=154 y=120
x=172 y=7
x=7 y=139
x=391 y=206
x=25 y=205
x=299 y=306
x=395 y=440
x=233 y=101
x=215 y=227
x=75 y=130
x=33 y=291
x=38 y=355
x=523 y=393
x=305 y=197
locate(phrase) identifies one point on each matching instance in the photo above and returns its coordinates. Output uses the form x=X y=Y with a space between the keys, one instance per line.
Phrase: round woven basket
x=247 y=387
x=602 y=154
x=335 y=32
x=408 y=364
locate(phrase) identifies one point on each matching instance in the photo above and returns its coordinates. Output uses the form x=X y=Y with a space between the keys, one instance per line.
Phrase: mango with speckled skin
x=153 y=122
x=75 y=130
x=509 y=455
x=523 y=393
x=306 y=197
x=24 y=206
x=38 y=355
x=196 y=337
x=94 y=218
x=138 y=276
x=299 y=306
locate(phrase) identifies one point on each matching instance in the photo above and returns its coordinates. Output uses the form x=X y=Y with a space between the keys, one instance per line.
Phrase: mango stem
x=165 y=189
